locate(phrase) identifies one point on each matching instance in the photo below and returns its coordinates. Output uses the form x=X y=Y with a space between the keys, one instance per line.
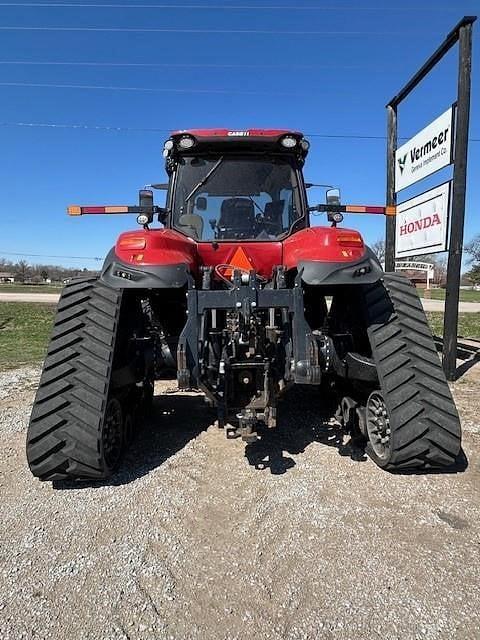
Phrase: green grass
x=24 y=332
x=468 y=324
x=466 y=295
x=30 y=288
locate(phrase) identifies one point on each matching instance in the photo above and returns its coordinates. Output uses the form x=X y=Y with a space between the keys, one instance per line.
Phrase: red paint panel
x=166 y=246
x=319 y=244
x=224 y=133
x=262 y=255
x=162 y=247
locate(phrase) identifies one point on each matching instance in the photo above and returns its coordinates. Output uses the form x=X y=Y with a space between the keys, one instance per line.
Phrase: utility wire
x=188 y=65
x=218 y=7
x=155 y=130
x=57 y=125
x=43 y=255
x=219 y=31
x=143 y=89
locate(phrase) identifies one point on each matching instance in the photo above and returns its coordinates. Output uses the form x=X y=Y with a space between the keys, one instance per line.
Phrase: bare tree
x=473 y=249
x=23 y=270
x=378 y=248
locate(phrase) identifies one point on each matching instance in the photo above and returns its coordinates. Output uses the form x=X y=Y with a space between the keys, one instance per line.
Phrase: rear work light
x=288 y=141
x=186 y=142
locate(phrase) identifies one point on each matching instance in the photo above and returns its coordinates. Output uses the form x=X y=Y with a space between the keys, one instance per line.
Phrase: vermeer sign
x=422 y=223
x=428 y=151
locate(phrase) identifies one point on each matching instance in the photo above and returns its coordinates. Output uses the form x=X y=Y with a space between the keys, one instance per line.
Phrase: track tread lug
x=64 y=434
x=423 y=417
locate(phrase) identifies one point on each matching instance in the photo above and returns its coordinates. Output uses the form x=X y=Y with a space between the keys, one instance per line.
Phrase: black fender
x=367 y=270
x=120 y=275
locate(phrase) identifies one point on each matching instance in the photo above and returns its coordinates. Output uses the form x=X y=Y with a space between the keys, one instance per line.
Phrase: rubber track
x=423 y=417
x=64 y=435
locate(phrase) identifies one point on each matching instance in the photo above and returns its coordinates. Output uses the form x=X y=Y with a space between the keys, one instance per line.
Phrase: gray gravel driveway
x=297 y=537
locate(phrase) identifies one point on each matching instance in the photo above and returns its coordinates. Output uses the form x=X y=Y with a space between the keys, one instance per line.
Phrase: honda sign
x=422 y=223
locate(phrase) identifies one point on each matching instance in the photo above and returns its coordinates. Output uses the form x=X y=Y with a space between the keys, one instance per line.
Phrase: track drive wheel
x=411 y=421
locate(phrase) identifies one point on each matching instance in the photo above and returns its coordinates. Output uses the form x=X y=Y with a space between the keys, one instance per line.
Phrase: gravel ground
x=201 y=537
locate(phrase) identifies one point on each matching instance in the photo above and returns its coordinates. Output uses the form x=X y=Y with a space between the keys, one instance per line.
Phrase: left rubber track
x=65 y=435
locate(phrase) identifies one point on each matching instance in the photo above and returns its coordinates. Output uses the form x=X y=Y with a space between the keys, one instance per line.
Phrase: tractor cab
x=236 y=185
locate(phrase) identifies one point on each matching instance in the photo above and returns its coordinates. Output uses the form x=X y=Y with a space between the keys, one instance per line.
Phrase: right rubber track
x=64 y=435
x=425 y=427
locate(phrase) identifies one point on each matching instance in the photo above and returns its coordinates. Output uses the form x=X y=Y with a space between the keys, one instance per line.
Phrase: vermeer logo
x=416 y=153
x=401 y=163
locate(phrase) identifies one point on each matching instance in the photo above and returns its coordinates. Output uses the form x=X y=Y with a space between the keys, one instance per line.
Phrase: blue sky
x=335 y=81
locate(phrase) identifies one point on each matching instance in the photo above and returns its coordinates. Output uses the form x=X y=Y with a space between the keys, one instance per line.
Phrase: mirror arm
x=162 y=214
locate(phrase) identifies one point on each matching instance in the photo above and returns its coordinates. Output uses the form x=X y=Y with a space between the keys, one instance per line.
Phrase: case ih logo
x=420 y=225
x=238 y=134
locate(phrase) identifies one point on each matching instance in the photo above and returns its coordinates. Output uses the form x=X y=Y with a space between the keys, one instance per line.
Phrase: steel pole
x=450 y=326
x=391 y=195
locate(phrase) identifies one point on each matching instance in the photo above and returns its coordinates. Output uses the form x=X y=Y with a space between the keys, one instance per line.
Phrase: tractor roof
x=193 y=141
x=237 y=133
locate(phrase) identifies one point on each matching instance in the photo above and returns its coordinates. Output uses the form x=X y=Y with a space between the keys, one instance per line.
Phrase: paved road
x=428 y=305
x=439 y=305
x=29 y=297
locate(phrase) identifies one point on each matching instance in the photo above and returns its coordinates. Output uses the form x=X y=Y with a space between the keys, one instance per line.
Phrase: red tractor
x=238 y=296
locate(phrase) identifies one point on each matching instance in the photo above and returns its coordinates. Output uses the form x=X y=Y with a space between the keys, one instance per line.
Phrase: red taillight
x=132 y=243
x=349 y=239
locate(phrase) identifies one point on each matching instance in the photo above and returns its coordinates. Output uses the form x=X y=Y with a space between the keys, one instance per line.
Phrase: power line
x=186 y=65
x=54 y=125
x=83 y=126
x=218 y=7
x=218 y=31
x=44 y=255
x=57 y=125
x=143 y=89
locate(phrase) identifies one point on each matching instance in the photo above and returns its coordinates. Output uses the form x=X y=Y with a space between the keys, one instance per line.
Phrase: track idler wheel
x=113 y=434
x=377 y=422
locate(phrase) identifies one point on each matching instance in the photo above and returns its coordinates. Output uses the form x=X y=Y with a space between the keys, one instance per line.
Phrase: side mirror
x=333 y=196
x=145 y=201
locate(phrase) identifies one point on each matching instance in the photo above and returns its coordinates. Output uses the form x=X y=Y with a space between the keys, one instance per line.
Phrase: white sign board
x=428 y=151
x=422 y=223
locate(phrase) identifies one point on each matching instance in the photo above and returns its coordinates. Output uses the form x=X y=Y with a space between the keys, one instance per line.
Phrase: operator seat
x=273 y=217
x=237 y=218
x=192 y=225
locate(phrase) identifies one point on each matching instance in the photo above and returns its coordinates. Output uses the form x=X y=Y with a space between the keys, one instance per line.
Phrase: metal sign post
x=450 y=325
x=462 y=33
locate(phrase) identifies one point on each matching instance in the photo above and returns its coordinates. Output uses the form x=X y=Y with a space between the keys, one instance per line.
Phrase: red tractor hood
x=169 y=247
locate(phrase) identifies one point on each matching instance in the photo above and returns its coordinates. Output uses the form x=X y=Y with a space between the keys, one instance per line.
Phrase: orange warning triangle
x=239 y=260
